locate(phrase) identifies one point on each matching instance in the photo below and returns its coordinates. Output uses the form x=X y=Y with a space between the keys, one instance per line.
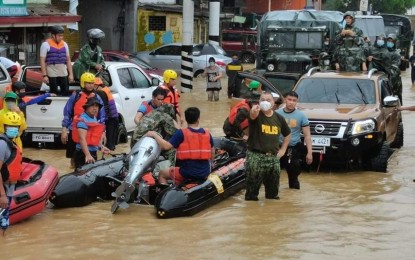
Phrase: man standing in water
x=263 y=156
x=298 y=122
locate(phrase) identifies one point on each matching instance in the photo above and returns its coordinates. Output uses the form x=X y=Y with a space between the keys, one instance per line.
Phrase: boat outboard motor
x=142 y=159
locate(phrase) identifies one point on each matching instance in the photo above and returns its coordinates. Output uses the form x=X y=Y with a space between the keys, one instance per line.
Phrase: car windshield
x=338 y=91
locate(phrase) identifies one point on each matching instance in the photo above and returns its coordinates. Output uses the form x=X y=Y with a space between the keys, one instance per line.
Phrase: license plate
x=320 y=141
x=43 y=138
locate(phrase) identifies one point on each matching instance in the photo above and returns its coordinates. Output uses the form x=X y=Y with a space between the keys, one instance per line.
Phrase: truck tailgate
x=46 y=116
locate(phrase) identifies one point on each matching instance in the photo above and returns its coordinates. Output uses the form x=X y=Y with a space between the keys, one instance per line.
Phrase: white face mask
x=265 y=105
x=212 y=64
x=11 y=104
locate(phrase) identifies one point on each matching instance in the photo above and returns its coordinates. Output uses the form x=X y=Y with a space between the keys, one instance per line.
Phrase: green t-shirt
x=264 y=132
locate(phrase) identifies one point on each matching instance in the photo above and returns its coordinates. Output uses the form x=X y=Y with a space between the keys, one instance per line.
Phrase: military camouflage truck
x=290 y=39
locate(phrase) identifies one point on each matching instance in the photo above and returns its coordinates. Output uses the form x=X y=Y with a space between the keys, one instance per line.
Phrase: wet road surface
x=335 y=215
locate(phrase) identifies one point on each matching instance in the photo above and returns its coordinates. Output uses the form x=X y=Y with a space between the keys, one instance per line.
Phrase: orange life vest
x=12 y=168
x=80 y=101
x=234 y=112
x=148 y=107
x=172 y=97
x=195 y=146
x=93 y=134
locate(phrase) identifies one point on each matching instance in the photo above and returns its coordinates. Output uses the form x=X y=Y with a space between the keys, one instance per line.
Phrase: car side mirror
x=390 y=101
x=152 y=53
x=155 y=82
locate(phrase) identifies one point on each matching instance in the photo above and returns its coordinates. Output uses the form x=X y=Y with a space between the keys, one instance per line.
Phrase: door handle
x=127 y=98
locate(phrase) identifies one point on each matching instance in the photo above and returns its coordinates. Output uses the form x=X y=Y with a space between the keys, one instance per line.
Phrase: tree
x=378 y=6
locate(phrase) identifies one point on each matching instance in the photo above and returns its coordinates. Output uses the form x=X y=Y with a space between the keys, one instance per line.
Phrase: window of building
x=157 y=23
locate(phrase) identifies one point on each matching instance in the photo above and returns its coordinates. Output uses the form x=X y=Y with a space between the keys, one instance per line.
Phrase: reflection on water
x=335 y=215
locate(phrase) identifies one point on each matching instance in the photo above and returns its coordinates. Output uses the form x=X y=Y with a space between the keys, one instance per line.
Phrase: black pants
x=70 y=146
x=292 y=161
x=111 y=132
x=80 y=158
x=62 y=82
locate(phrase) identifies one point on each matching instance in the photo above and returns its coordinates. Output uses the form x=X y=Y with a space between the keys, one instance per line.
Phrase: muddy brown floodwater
x=335 y=215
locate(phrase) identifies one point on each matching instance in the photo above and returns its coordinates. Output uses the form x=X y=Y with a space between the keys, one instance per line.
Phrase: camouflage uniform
x=159 y=120
x=395 y=72
x=349 y=53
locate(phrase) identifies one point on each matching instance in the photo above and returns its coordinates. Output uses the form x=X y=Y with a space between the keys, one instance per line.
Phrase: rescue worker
x=19 y=88
x=349 y=55
x=158 y=96
x=111 y=123
x=194 y=148
x=160 y=120
x=172 y=94
x=236 y=124
x=262 y=163
x=88 y=133
x=55 y=62
x=90 y=56
x=10 y=101
x=10 y=164
x=74 y=108
x=232 y=69
x=395 y=71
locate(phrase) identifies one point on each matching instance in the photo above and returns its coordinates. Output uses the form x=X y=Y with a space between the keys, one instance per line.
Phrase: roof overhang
x=40 y=15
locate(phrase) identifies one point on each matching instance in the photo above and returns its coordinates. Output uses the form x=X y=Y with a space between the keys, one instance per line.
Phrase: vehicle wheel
x=122 y=134
x=247 y=58
x=198 y=74
x=379 y=162
x=398 y=142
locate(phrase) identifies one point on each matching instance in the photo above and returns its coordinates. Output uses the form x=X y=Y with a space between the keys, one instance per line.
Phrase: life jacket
x=56 y=53
x=80 y=100
x=172 y=97
x=149 y=108
x=195 y=146
x=234 y=112
x=93 y=134
x=12 y=168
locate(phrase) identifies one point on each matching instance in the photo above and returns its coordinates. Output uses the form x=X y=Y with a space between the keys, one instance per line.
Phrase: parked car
x=241 y=42
x=169 y=57
x=123 y=56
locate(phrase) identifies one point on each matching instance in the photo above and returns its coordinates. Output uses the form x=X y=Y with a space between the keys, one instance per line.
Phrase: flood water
x=335 y=215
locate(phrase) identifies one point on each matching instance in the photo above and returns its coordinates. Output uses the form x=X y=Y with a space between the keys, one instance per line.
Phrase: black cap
x=92 y=101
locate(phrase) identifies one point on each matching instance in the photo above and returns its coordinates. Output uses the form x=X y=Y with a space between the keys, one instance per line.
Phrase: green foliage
x=381 y=6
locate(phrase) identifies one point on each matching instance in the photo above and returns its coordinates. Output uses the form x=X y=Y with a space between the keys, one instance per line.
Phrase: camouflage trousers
x=261 y=168
x=351 y=59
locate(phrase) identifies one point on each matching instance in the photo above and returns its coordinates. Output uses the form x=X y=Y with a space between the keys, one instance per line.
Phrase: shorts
x=174 y=174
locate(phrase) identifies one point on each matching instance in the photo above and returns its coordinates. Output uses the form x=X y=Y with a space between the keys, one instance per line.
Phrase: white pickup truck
x=129 y=86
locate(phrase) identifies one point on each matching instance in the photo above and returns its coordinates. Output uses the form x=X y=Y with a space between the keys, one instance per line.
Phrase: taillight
x=221 y=64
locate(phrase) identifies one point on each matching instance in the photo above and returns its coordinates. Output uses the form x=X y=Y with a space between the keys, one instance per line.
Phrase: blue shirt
x=192 y=169
x=143 y=108
x=296 y=120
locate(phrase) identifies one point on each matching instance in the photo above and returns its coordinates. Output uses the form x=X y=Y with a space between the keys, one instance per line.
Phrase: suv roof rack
x=312 y=70
x=371 y=72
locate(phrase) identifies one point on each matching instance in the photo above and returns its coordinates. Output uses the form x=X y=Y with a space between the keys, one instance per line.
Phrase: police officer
x=262 y=163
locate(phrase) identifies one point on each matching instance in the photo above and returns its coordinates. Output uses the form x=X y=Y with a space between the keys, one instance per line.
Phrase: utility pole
x=214 y=18
x=187 y=46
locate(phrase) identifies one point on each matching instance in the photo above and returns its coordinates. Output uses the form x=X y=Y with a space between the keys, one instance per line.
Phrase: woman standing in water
x=213 y=74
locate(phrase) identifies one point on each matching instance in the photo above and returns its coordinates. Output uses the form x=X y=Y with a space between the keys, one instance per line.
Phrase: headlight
x=270 y=67
x=326 y=62
x=364 y=126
